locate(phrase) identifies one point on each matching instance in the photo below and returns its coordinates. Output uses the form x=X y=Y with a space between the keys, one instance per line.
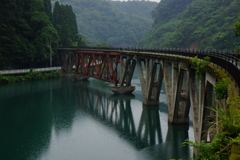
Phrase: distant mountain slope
x=139 y=8
x=100 y=22
x=166 y=17
x=202 y=24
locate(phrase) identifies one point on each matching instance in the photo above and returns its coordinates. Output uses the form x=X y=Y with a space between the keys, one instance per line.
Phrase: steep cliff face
x=194 y=24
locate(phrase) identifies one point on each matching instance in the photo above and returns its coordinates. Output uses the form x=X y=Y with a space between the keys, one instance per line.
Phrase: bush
x=29 y=77
x=200 y=65
x=220 y=89
x=227 y=132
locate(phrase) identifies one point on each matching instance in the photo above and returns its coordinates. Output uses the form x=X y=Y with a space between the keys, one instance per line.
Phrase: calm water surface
x=63 y=119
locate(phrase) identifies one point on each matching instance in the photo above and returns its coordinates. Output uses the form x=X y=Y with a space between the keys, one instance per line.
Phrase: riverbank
x=31 y=76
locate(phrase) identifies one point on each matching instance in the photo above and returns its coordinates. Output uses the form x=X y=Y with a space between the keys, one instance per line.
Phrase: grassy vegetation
x=31 y=76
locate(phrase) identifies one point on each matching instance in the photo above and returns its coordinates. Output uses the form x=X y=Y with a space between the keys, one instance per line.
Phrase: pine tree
x=48 y=8
x=25 y=34
x=64 y=20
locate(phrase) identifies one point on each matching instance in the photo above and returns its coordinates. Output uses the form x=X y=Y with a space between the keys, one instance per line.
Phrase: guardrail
x=24 y=71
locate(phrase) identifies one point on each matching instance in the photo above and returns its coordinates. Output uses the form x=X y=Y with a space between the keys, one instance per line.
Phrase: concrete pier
x=151 y=81
x=122 y=89
x=68 y=60
x=177 y=92
x=128 y=64
x=77 y=77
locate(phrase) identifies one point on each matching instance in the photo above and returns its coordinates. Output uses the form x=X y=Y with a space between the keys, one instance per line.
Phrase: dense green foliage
x=220 y=89
x=25 y=29
x=103 y=44
x=64 y=20
x=227 y=134
x=166 y=17
x=27 y=35
x=237 y=26
x=29 y=77
x=195 y=24
x=100 y=22
x=200 y=65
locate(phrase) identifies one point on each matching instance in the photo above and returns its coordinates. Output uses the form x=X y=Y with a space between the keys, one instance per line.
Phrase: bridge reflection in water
x=145 y=134
x=35 y=117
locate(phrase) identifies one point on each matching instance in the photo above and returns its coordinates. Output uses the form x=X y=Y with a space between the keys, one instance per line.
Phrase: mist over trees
x=139 y=8
x=101 y=21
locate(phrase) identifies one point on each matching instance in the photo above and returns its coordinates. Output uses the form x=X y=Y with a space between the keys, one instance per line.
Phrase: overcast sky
x=131 y=0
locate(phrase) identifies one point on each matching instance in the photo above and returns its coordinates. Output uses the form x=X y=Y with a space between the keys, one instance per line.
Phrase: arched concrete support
x=151 y=82
x=68 y=60
x=177 y=92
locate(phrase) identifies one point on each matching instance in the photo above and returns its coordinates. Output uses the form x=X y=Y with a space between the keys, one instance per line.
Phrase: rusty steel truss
x=101 y=65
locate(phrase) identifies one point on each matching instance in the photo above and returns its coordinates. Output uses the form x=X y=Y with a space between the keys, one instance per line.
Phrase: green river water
x=62 y=119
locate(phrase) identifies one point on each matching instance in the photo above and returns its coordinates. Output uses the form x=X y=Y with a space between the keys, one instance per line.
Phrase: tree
x=64 y=20
x=237 y=26
x=80 y=41
x=48 y=8
x=25 y=34
x=103 y=44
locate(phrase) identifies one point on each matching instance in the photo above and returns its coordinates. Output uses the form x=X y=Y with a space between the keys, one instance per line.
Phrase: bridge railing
x=226 y=59
x=229 y=55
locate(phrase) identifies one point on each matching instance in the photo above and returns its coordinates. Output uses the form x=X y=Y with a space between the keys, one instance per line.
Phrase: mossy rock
x=235 y=152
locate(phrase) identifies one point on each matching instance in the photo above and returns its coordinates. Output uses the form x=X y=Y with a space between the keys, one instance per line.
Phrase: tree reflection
x=25 y=127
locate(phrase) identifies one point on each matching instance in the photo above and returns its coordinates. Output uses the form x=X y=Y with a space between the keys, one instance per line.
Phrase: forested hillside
x=140 y=8
x=27 y=35
x=194 y=24
x=100 y=22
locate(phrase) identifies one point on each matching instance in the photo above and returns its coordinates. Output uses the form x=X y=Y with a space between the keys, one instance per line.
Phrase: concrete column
x=154 y=84
x=68 y=60
x=141 y=75
x=177 y=92
x=207 y=95
x=194 y=101
x=200 y=99
x=151 y=81
x=168 y=86
x=127 y=73
x=182 y=104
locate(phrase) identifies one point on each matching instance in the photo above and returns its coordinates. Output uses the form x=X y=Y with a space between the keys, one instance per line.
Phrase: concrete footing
x=79 y=77
x=150 y=103
x=123 y=89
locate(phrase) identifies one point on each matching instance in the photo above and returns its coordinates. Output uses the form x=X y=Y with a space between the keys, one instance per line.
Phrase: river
x=62 y=119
